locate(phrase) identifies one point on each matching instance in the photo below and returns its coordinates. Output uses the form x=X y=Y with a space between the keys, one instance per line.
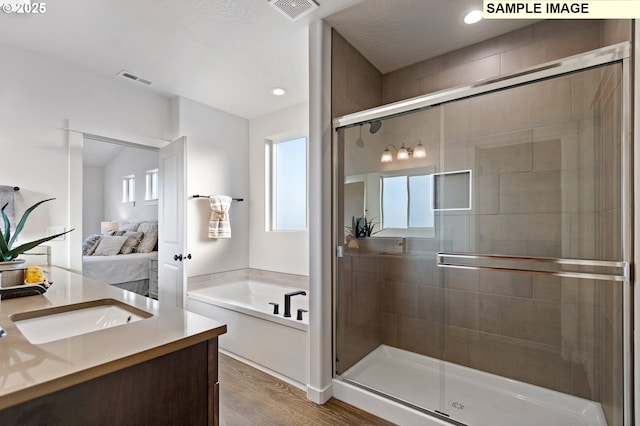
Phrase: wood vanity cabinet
x=177 y=388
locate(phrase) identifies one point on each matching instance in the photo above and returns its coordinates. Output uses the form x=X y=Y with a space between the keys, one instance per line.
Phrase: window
x=151 y=185
x=287 y=180
x=129 y=189
x=407 y=201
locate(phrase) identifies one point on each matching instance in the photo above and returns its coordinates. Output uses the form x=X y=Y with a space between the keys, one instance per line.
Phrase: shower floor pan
x=469 y=396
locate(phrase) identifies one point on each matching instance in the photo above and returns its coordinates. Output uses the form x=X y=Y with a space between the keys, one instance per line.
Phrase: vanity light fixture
x=404 y=153
x=419 y=151
x=473 y=16
x=387 y=157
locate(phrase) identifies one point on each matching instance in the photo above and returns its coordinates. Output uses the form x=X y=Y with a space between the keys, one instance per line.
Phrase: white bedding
x=118 y=269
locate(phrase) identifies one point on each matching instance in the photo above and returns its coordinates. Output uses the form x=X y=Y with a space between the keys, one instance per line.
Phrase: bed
x=124 y=258
x=126 y=271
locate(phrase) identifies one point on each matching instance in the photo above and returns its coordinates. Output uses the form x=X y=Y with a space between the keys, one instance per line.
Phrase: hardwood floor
x=250 y=397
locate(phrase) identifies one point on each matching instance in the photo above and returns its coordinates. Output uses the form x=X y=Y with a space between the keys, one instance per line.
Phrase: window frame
x=129 y=189
x=151 y=186
x=271 y=191
x=405 y=173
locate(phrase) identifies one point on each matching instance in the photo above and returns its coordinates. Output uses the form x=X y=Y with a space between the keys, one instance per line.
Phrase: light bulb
x=419 y=151
x=403 y=154
x=386 y=156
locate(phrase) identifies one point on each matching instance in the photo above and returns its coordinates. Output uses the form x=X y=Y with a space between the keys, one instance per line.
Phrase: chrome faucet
x=287 y=301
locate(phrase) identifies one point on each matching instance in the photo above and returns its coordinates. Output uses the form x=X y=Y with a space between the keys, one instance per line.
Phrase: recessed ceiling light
x=473 y=16
x=279 y=91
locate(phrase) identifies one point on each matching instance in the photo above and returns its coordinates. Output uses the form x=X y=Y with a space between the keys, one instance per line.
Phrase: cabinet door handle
x=177 y=257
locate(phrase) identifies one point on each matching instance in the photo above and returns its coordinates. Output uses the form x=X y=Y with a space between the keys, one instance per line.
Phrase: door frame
x=76 y=132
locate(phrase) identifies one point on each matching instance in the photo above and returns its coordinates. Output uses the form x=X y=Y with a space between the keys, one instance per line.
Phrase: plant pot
x=12 y=273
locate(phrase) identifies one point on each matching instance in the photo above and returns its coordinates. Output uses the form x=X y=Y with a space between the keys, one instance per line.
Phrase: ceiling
x=229 y=53
x=96 y=153
x=394 y=34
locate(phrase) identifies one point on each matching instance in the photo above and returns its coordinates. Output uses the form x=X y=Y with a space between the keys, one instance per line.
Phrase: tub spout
x=287 y=301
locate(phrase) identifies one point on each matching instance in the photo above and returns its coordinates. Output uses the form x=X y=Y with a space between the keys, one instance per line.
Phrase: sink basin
x=61 y=322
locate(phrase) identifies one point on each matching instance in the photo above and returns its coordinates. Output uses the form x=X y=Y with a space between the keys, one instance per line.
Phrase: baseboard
x=319 y=396
x=264 y=369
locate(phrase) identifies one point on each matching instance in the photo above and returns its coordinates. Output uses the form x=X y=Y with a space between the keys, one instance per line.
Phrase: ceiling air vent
x=294 y=9
x=131 y=76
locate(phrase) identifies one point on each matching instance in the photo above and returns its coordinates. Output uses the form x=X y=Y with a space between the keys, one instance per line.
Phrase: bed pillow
x=132 y=242
x=150 y=230
x=128 y=226
x=90 y=243
x=110 y=245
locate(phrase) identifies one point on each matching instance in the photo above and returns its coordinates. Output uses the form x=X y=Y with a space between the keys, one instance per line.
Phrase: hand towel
x=219 y=225
x=7 y=197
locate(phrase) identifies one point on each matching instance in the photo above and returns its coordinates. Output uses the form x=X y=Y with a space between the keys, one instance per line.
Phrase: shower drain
x=457 y=405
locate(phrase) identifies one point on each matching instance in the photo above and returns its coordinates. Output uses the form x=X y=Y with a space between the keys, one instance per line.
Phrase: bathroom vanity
x=159 y=366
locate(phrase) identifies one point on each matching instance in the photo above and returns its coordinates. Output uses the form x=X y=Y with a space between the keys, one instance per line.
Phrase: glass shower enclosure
x=483 y=278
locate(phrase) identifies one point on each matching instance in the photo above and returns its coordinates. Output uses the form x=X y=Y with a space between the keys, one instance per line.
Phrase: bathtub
x=276 y=344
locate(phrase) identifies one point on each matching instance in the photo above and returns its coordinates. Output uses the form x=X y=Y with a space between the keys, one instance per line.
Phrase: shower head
x=375 y=126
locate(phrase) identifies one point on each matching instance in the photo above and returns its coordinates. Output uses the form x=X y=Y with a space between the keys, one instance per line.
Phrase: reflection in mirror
x=397 y=195
x=452 y=191
x=400 y=202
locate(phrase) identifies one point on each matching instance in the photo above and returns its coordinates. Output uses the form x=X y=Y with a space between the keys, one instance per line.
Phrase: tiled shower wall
x=535 y=44
x=553 y=332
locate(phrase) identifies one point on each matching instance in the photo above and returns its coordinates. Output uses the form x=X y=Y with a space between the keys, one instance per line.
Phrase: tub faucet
x=287 y=301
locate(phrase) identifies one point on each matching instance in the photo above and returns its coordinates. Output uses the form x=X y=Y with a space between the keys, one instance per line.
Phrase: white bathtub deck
x=253 y=298
x=254 y=333
x=469 y=396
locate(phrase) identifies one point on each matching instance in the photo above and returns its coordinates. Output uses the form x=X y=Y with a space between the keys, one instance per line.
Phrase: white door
x=171 y=215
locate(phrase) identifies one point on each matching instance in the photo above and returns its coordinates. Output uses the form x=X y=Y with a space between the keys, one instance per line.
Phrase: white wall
x=217 y=163
x=129 y=161
x=280 y=251
x=93 y=200
x=37 y=96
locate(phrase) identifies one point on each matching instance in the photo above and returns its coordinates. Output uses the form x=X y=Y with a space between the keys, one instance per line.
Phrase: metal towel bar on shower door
x=474 y=261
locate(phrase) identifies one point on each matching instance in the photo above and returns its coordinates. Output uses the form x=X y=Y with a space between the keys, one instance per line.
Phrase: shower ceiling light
x=278 y=91
x=404 y=153
x=473 y=16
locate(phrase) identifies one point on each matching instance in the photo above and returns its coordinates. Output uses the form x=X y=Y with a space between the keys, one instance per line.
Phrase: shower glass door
x=388 y=316
x=530 y=224
x=486 y=282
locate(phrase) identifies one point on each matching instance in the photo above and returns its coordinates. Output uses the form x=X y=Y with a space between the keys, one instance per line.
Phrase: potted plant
x=9 y=253
x=360 y=228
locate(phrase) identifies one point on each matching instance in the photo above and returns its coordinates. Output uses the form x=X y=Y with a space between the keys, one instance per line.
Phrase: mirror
x=398 y=203
x=396 y=195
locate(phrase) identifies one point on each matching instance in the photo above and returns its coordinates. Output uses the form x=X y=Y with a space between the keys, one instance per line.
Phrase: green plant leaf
x=13 y=253
x=4 y=249
x=7 y=224
x=23 y=220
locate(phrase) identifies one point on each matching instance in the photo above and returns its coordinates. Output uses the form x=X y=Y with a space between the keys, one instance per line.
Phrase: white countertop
x=28 y=371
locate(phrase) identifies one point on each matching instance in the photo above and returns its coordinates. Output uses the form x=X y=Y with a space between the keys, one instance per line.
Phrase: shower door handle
x=618 y=271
